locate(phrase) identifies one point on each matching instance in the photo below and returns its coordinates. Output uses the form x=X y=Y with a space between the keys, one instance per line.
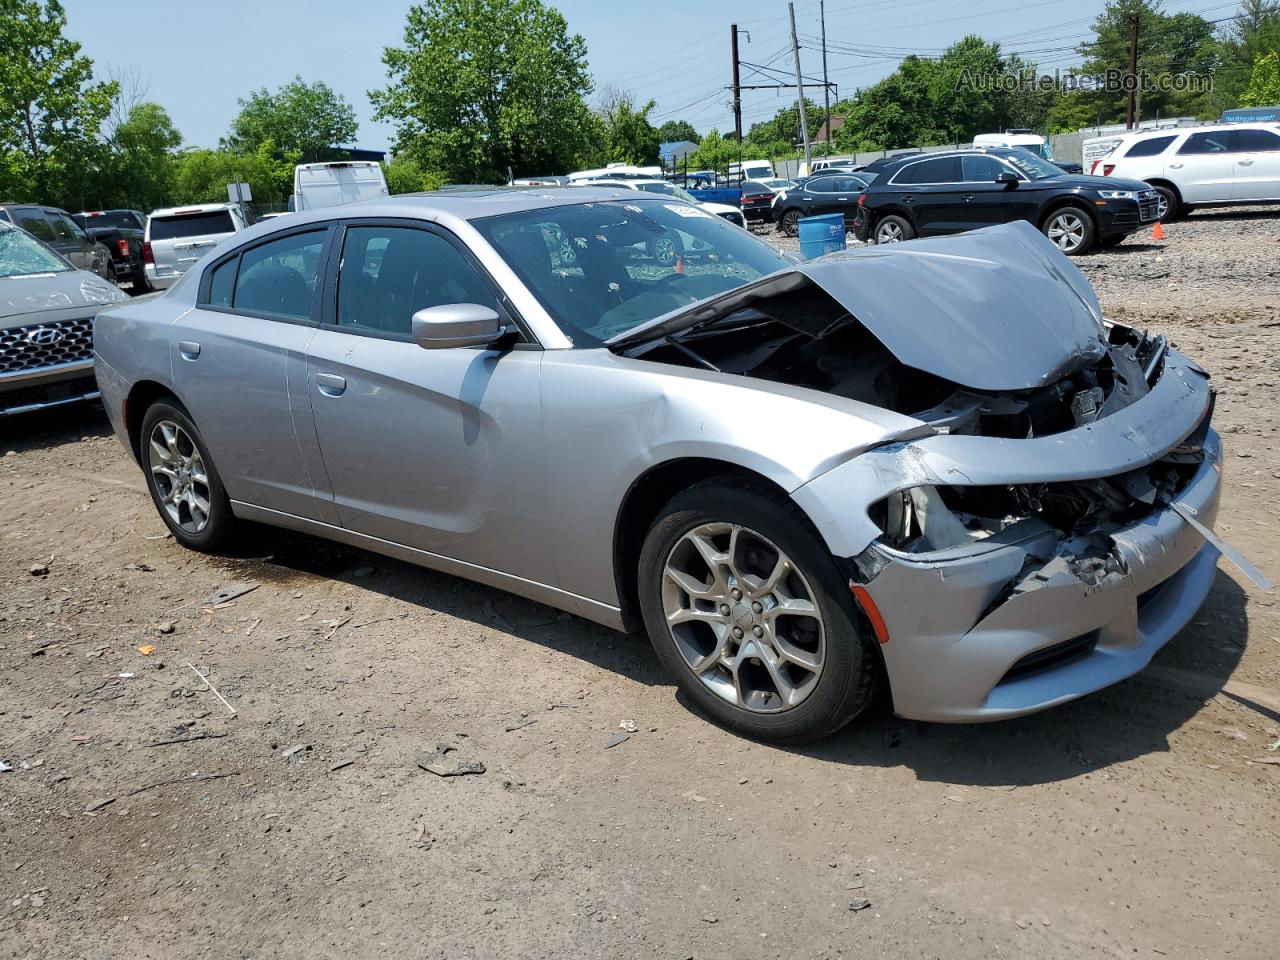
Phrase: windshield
x=120 y=218
x=1037 y=168
x=22 y=255
x=600 y=269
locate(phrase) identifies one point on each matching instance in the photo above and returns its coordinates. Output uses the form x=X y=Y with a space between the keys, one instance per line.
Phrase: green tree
x=715 y=152
x=480 y=86
x=144 y=164
x=405 y=176
x=202 y=175
x=306 y=119
x=1252 y=34
x=784 y=126
x=50 y=110
x=628 y=135
x=674 y=131
x=1264 y=84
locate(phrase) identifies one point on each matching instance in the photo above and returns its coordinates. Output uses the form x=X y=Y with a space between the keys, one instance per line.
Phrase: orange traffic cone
x=1157 y=232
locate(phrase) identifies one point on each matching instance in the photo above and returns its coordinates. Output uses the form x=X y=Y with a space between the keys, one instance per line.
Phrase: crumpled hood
x=996 y=309
x=20 y=297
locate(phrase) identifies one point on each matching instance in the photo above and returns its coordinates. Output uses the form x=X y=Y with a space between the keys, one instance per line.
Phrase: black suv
x=938 y=193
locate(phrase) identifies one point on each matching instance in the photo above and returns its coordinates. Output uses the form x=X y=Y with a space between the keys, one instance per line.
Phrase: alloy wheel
x=1067 y=230
x=181 y=481
x=791 y=223
x=743 y=617
x=1162 y=206
x=889 y=232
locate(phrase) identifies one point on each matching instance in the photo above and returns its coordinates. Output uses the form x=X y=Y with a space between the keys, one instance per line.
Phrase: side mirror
x=1007 y=177
x=456 y=325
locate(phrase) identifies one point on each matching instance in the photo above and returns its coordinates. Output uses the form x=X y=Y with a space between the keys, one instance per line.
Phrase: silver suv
x=178 y=237
x=47 y=309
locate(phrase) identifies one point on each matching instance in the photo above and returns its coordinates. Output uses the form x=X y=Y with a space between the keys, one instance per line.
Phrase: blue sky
x=197 y=58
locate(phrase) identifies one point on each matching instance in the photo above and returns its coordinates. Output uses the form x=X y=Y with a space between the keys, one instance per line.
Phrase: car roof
x=191 y=208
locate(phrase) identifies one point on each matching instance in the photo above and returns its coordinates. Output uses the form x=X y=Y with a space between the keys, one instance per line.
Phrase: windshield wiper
x=691 y=354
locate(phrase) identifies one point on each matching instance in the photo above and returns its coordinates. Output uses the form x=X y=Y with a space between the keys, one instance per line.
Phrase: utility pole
x=804 y=121
x=737 y=84
x=826 y=90
x=1131 y=100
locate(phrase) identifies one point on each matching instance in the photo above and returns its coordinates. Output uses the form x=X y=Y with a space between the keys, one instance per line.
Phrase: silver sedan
x=932 y=467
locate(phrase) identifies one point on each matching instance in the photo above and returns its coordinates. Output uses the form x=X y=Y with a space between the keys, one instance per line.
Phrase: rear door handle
x=330 y=384
x=1176 y=166
x=189 y=349
x=908 y=199
x=968 y=197
x=1244 y=163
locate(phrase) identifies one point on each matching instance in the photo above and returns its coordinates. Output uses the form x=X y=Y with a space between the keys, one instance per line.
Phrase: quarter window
x=1256 y=141
x=1150 y=148
x=1216 y=141
x=277 y=278
x=221 y=282
x=390 y=273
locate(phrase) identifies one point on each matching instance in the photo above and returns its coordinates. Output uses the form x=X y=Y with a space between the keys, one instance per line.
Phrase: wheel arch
x=646 y=496
x=1167 y=183
x=141 y=396
x=1061 y=203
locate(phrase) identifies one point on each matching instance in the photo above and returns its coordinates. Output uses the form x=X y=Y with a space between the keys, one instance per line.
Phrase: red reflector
x=123 y=246
x=872 y=612
x=862 y=199
x=1107 y=168
x=147 y=255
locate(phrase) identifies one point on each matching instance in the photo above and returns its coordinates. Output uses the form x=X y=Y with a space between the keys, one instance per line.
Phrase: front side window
x=390 y=273
x=1032 y=166
x=1150 y=148
x=1256 y=141
x=20 y=256
x=601 y=269
x=277 y=278
x=62 y=228
x=981 y=168
x=1216 y=141
x=34 y=222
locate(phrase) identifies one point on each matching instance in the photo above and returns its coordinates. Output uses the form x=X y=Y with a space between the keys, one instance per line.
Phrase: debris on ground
x=4 y=767
x=860 y=903
x=99 y=804
x=294 y=750
x=628 y=725
x=616 y=739
x=230 y=591
x=524 y=721
x=444 y=761
x=147 y=649
x=365 y=571
x=38 y=569
x=166 y=627
x=339 y=765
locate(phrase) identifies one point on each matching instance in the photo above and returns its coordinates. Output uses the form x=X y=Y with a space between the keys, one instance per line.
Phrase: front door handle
x=1244 y=163
x=330 y=384
x=189 y=349
x=968 y=197
x=1176 y=166
x=908 y=199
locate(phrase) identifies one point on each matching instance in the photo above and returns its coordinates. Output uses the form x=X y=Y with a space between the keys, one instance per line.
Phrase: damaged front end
x=1028 y=544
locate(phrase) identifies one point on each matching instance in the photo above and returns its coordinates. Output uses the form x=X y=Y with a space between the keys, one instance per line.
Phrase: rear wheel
x=749 y=612
x=790 y=223
x=893 y=229
x=1071 y=230
x=1170 y=207
x=183 y=482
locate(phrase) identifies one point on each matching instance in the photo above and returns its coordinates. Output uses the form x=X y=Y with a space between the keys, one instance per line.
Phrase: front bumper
x=26 y=391
x=958 y=653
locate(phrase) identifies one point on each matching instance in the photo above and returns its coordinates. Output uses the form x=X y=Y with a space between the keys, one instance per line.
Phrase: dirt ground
x=142 y=820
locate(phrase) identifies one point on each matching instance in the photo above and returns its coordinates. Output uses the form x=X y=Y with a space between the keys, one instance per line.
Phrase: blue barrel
x=819 y=235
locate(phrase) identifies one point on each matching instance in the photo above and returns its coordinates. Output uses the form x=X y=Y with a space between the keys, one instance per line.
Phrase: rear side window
x=34 y=222
x=1256 y=141
x=941 y=170
x=191 y=225
x=1216 y=141
x=1150 y=148
x=277 y=278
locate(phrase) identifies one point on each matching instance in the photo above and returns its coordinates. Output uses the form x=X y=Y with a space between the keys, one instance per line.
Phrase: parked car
x=123 y=233
x=177 y=237
x=757 y=201
x=777 y=183
x=823 y=193
x=317 y=185
x=47 y=307
x=931 y=465
x=724 y=210
x=938 y=193
x=1208 y=166
x=55 y=227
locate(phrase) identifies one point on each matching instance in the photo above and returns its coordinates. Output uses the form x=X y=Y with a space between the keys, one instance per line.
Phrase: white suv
x=1206 y=166
x=177 y=237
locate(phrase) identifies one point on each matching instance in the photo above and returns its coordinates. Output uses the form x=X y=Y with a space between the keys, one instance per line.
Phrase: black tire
x=850 y=668
x=221 y=523
x=790 y=223
x=1172 y=203
x=1088 y=231
x=885 y=227
x=141 y=283
x=667 y=248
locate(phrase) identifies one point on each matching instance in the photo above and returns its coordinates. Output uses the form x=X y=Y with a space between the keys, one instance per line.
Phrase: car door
x=436 y=449
x=1203 y=167
x=1257 y=165
x=985 y=202
x=69 y=240
x=96 y=256
x=34 y=221
x=239 y=366
x=932 y=190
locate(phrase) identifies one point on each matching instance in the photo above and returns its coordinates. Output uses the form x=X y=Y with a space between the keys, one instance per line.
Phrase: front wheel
x=748 y=611
x=183 y=482
x=1071 y=230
